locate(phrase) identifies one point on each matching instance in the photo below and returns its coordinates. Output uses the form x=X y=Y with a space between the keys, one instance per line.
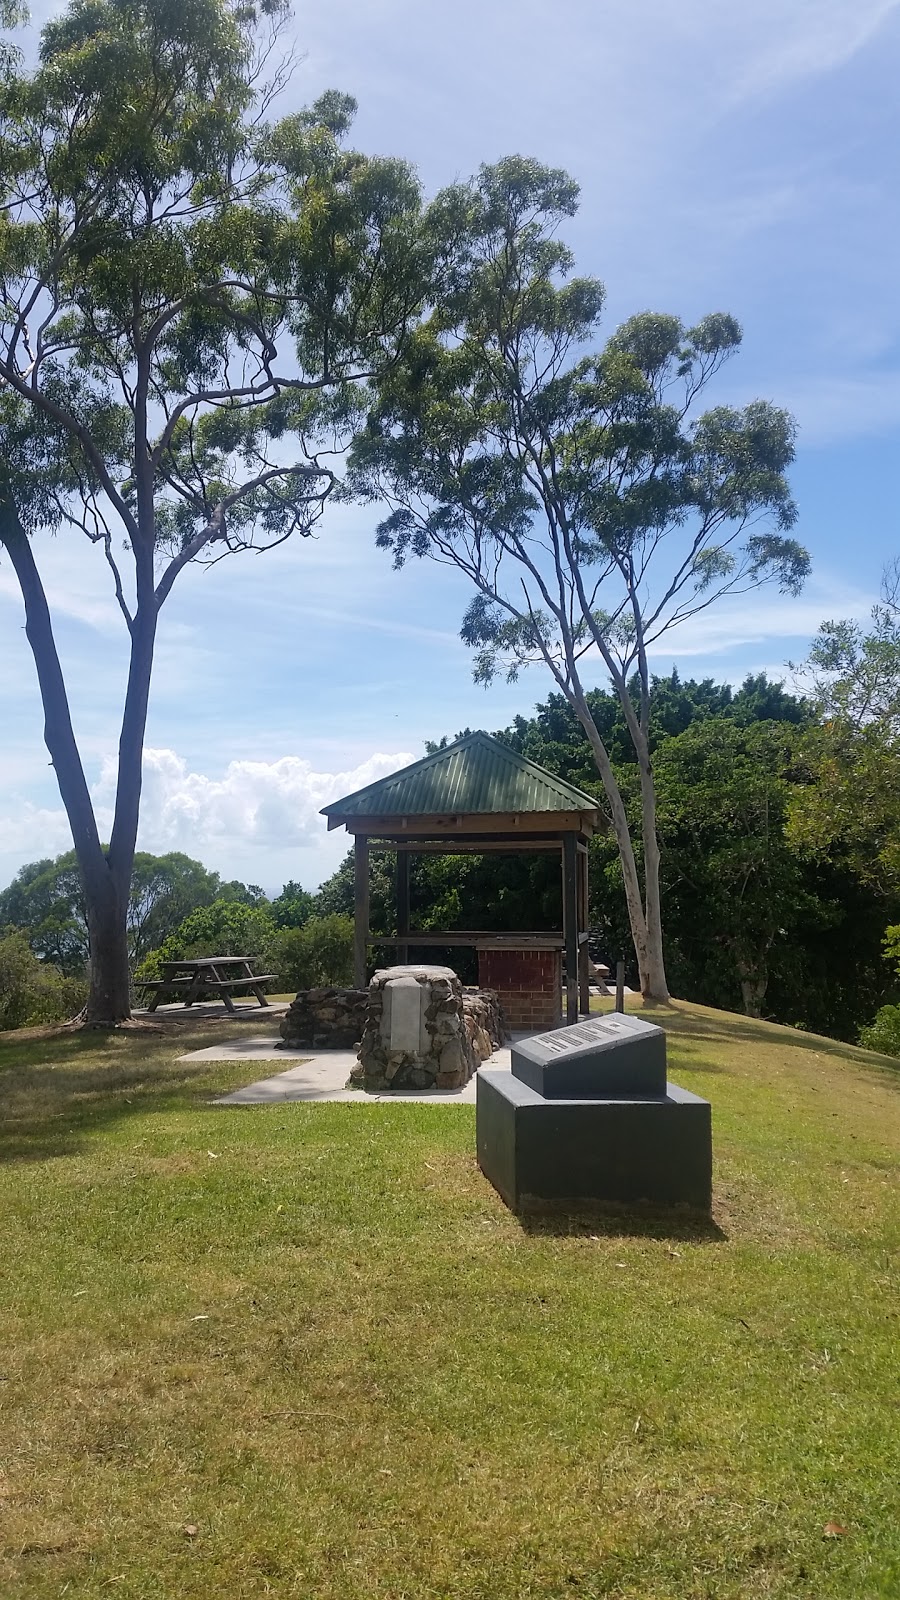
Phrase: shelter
x=471 y=797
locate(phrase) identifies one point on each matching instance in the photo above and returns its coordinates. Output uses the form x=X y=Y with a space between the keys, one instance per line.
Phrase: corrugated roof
x=476 y=774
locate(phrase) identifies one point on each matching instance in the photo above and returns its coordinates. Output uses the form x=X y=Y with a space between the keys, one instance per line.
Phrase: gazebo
x=474 y=796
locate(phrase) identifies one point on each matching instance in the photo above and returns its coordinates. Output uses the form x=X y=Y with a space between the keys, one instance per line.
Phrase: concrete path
x=318 y=1075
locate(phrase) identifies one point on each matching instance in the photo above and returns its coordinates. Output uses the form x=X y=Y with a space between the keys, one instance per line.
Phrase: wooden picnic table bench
x=192 y=977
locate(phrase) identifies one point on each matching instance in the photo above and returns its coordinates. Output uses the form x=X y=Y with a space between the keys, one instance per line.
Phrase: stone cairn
x=326 y=1019
x=423 y=1031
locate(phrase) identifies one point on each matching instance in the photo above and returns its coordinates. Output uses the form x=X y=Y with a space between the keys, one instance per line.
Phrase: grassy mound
x=306 y=1351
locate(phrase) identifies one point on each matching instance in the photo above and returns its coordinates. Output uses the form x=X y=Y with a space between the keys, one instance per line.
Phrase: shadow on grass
x=57 y=1091
x=569 y=1222
x=729 y=1028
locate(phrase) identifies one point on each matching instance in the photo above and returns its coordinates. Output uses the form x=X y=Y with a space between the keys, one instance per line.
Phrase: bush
x=225 y=928
x=33 y=991
x=319 y=953
x=884 y=1033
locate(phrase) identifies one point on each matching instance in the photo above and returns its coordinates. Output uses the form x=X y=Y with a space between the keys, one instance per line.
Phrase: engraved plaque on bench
x=617 y=1056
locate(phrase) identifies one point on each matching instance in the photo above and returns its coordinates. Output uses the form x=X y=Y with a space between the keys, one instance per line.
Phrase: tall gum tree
x=188 y=296
x=587 y=505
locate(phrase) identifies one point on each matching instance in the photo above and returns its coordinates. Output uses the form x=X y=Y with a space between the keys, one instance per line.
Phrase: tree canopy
x=588 y=503
x=188 y=295
x=46 y=901
x=851 y=799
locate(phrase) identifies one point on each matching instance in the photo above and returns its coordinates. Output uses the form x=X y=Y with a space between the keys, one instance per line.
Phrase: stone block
x=418 y=1022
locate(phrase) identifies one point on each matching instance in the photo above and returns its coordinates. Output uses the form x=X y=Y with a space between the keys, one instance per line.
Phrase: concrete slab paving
x=318 y=1075
x=254 y=1047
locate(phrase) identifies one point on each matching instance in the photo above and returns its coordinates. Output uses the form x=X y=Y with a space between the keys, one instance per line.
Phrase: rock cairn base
x=326 y=1019
x=430 y=1037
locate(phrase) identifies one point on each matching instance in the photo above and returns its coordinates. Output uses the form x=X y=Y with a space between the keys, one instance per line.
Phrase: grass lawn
x=305 y=1350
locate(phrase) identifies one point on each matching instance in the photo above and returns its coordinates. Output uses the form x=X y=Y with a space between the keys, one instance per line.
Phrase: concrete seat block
x=537 y=1151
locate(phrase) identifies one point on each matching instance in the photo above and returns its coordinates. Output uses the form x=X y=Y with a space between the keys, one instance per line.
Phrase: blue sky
x=738 y=158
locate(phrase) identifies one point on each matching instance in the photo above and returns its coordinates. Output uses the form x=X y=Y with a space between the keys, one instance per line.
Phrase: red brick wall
x=529 y=983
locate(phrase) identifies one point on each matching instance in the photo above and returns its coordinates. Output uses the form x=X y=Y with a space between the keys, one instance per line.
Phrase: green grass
x=315 y=1336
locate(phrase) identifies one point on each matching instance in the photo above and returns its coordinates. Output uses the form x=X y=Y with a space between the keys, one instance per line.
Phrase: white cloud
x=784 y=44
x=260 y=820
x=831 y=408
x=757 y=619
x=254 y=803
x=31 y=832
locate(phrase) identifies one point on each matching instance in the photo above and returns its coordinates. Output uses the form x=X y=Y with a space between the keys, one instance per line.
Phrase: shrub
x=319 y=953
x=225 y=928
x=884 y=1032
x=33 y=991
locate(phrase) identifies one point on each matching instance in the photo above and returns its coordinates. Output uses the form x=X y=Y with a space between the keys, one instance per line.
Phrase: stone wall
x=326 y=1019
x=423 y=1032
x=484 y=1021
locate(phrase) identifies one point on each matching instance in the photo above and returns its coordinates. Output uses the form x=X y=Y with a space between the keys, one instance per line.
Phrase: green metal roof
x=475 y=774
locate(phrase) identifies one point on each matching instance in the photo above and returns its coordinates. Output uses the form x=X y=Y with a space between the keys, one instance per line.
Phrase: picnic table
x=226 y=975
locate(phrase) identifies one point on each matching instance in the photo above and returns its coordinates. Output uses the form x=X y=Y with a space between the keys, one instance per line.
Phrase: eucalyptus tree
x=588 y=506
x=188 y=295
x=850 y=801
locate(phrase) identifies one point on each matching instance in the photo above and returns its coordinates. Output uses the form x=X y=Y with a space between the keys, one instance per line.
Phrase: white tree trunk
x=646 y=936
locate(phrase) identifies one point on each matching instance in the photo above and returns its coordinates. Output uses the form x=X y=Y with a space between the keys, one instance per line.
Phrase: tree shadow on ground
x=729 y=1028
x=56 y=1092
x=608 y=1222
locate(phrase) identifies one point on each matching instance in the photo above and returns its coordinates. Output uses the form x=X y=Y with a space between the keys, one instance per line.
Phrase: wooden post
x=360 y=910
x=620 y=985
x=584 y=981
x=570 y=925
x=402 y=904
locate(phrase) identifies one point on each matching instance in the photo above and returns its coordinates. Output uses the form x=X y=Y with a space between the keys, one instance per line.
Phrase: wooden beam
x=487 y=940
x=570 y=925
x=459 y=825
x=360 y=911
x=466 y=847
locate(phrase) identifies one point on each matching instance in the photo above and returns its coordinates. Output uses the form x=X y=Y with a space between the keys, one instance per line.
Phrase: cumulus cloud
x=30 y=832
x=253 y=803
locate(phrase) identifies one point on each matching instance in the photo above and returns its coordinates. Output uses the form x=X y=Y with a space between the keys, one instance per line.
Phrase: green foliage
x=850 y=799
x=336 y=893
x=578 y=478
x=224 y=928
x=180 y=247
x=45 y=899
x=190 y=298
x=748 y=920
x=588 y=505
x=734 y=889
x=884 y=1033
x=33 y=991
x=316 y=953
x=293 y=907
x=892 y=946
